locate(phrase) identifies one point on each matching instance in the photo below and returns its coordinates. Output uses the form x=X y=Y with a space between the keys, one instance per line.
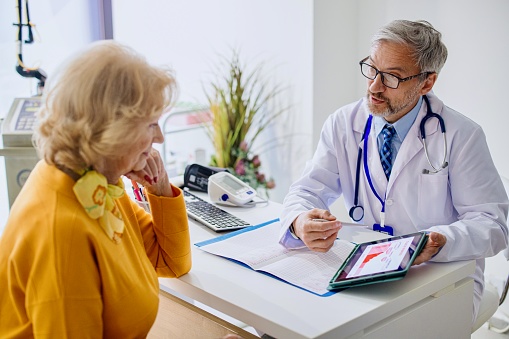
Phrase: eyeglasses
x=388 y=79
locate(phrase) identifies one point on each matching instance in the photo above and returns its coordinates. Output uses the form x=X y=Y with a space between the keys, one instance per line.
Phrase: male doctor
x=460 y=201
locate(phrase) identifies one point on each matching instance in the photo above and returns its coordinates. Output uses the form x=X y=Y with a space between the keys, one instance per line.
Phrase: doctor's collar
x=403 y=125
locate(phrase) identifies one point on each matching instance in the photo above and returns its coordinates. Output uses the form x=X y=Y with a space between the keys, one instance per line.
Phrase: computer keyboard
x=210 y=215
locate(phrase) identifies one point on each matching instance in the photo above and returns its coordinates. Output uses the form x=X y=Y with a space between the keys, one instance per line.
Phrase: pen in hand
x=323 y=220
x=138 y=193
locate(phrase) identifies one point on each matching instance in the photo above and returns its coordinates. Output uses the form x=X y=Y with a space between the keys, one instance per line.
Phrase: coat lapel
x=412 y=144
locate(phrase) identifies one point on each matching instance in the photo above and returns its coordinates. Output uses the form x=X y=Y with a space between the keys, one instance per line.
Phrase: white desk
x=434 y=300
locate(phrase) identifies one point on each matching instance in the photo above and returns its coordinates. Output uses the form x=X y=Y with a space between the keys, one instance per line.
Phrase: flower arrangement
x=241 y=107
x=247 y=168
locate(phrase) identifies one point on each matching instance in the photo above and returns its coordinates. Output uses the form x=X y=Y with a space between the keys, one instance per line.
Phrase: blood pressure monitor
x=224 y=187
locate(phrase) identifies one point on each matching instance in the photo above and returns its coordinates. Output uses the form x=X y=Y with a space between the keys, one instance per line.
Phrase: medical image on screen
x=381 y=257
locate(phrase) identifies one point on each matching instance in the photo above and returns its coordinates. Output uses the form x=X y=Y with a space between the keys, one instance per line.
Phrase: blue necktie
x=388 y=133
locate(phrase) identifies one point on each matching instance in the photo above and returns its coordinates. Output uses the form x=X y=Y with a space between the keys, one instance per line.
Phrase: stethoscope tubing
x=429 y=115
x=366 y=167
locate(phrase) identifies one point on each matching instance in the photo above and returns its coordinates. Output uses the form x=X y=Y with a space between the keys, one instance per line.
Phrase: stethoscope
x=357 y=211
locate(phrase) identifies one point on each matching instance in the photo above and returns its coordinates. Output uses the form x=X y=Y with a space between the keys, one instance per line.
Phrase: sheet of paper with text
x=258 y=248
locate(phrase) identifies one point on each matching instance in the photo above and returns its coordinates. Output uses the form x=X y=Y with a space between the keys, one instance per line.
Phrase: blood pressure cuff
x=196 y=176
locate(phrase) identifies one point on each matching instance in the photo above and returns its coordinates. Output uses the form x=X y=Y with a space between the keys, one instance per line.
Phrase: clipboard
x=379 y=261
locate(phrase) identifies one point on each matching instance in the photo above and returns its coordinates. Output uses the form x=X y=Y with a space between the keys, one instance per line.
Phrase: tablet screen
x=381 y=256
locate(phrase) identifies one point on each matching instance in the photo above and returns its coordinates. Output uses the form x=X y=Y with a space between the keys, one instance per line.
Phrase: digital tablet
x=379 y=261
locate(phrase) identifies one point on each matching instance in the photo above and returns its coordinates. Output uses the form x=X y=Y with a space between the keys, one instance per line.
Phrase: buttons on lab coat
x=389 y=202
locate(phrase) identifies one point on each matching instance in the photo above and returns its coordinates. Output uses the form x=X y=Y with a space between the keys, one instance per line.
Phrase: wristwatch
x=292 y=233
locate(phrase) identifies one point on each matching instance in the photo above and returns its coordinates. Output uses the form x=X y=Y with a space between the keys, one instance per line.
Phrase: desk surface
x=284 y=311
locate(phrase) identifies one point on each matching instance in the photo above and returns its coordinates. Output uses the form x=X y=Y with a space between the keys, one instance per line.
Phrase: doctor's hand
x=318 y=236
x=435 y=242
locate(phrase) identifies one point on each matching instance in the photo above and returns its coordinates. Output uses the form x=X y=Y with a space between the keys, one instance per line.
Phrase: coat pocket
x=434 y=203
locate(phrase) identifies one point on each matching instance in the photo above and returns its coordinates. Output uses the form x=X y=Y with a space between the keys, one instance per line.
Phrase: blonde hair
x=97 y=101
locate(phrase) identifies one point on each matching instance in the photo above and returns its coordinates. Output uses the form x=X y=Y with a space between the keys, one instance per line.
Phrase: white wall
x=335 y=57
x=62 y=27
x=191 y=36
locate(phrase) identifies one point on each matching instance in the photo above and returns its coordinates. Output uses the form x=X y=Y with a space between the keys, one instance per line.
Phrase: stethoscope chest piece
x=356 y=213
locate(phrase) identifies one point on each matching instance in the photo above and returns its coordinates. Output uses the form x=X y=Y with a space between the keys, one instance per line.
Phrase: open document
x=258 y=248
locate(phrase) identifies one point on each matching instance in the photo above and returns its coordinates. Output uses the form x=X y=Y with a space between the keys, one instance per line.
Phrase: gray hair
x=429 y=52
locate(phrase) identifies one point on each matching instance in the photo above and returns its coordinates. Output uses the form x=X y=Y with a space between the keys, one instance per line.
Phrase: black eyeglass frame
x=400 y=80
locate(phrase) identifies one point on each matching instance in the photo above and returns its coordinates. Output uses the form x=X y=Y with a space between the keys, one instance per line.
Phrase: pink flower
x=240 y=168
x=256 y=161
x=260 y=177
x=270 y=184
x=243 y=146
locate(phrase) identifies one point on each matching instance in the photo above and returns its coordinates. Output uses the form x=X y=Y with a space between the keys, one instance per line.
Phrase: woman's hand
x=153 y=176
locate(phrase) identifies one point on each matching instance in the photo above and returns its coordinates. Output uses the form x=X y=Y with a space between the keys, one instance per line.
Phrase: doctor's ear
x=428 y=84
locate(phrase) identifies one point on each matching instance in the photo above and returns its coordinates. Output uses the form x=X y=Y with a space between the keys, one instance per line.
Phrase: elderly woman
x=79 y=258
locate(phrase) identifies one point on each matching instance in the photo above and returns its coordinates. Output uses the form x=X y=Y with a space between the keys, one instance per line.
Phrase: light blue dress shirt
x=402 y=127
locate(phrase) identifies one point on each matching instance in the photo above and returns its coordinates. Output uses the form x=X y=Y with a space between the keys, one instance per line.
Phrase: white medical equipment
x=224 y=187
x=18 y=150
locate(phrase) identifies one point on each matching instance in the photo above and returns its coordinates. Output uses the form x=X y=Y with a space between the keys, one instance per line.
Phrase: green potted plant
x=241 y=107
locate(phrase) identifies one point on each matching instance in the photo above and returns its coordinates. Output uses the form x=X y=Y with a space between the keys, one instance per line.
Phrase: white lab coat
x=466 y=202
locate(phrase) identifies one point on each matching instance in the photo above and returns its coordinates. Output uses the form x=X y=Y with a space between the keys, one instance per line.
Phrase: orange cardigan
x=62 y=277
